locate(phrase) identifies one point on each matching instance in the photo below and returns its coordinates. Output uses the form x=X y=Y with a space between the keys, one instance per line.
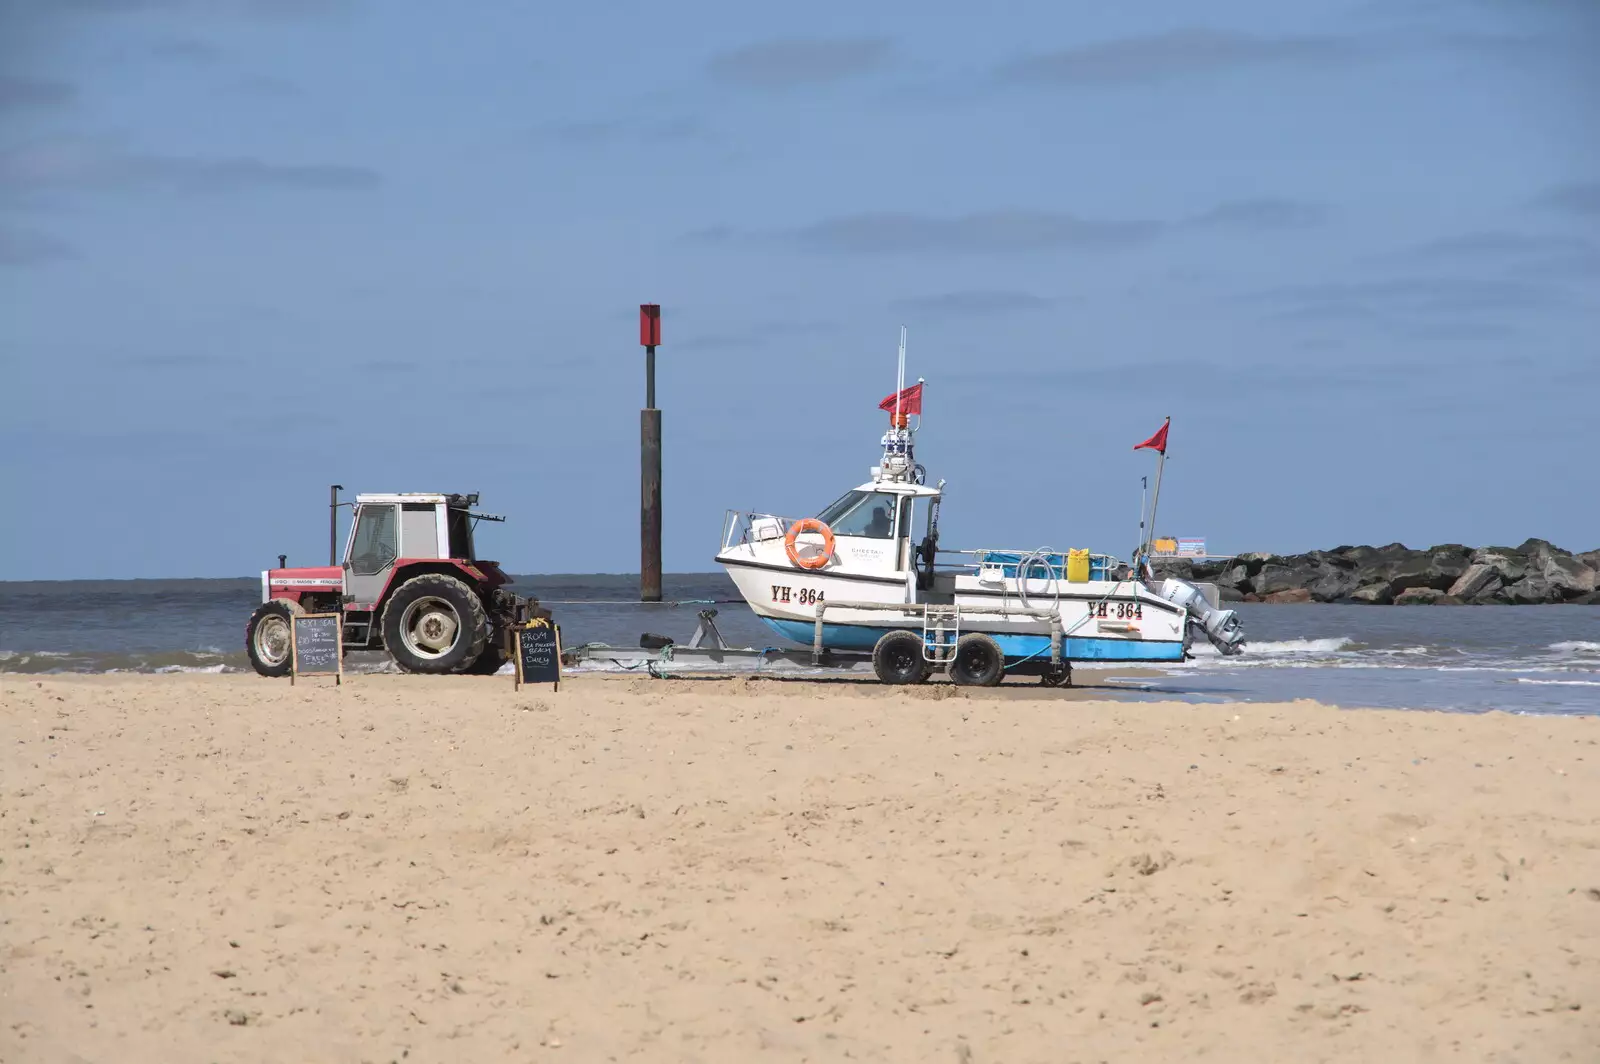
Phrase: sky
x=250 y=248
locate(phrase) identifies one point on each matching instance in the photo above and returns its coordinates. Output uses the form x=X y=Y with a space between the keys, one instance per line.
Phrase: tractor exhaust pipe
x=333 y=524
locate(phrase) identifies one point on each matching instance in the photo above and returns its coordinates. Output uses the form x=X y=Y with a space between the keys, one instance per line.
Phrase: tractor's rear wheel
x=491 y=661
x=268 y=637
x=436 y=624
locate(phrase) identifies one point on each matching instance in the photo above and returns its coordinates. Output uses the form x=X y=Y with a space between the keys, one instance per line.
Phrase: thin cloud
x=623 y=131
x=52 y=165
x=170 y=361
x=785 y=64
x=1264 y=214
x=974 y=303
x=1500 y=245
x=985 y=231
x=285 y=9
x=1576 y=197
x=1180 y=53
x=1405 y=297
x=185 y=50
x=262 y=85
x=1012 y=231
x=19 y=93
x=23 y=248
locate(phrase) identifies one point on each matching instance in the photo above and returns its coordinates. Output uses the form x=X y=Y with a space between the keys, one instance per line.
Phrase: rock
x=1229 y=594
x=1373 y=595
x=1418 y=596
x=1293 y=594
x=1532 y=590
x=1274 y=578
x=1509 y=563
x=1479 y=580
x=1591 y=558
x=1591 y=599
x=1567 y=576
x=1333 y=584
x=1238 y=578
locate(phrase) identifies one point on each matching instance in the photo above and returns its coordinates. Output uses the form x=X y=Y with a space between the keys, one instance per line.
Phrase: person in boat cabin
x=881 y=523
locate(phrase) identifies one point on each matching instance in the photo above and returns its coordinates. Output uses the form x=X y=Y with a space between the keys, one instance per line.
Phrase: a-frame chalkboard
x=316 y=645
x=537 y=653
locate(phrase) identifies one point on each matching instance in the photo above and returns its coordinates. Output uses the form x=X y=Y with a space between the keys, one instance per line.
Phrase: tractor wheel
x=898 y=658
x=978 y=661
x=436 y=624
x=491 y=661
x=268 y=637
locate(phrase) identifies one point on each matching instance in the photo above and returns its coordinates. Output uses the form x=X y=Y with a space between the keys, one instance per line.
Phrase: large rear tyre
x=978 y=661
x=435 y=624
x=898 y=658
x=491 y=661
x=269 y=639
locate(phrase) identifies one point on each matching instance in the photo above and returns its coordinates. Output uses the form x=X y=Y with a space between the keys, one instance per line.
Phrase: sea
x=1521 y=659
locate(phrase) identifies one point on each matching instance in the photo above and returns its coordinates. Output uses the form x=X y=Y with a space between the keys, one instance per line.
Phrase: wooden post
x=649 y=461
x=516 y=658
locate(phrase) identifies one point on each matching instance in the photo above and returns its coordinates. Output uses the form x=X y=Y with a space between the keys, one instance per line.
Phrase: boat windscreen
x=869 y=514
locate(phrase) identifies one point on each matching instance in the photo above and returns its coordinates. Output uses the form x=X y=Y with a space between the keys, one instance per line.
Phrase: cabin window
x=375 y=544
x=868 y=514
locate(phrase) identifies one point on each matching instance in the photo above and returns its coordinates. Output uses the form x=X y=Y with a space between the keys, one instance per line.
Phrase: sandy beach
x=225 y=868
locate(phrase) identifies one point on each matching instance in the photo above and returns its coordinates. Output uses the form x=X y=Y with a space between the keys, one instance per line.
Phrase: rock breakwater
x=1537 y=572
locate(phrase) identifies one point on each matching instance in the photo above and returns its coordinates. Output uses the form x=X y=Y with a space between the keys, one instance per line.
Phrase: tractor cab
x=395 y=530
x=411 y=583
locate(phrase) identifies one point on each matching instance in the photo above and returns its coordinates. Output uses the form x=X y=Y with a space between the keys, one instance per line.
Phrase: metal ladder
x=941 y=630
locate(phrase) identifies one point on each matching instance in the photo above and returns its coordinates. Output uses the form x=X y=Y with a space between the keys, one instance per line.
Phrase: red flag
x=1158 y=442
x=910 y=400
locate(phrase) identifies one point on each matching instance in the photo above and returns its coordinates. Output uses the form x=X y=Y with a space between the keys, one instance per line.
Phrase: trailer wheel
x=977 y=662
x=435 y=624
x=898 y=658
x=268 y=637
x=1057 y=675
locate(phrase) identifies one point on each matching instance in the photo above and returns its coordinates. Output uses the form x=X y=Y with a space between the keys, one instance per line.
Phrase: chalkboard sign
x=538 y=657
x=318 y=645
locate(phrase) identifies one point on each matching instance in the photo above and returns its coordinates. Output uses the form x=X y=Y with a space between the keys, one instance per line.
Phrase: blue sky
x=250 y=248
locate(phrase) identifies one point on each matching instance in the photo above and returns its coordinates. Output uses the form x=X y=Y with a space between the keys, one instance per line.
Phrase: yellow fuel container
x=1077 y=566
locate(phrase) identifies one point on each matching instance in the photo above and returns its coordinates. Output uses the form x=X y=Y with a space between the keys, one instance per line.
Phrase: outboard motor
x=1220 y=626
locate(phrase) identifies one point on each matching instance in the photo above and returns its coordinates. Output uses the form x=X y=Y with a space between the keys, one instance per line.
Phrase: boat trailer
x=940 y=629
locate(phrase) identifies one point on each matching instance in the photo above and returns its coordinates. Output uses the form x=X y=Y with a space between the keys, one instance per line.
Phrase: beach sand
x=225 y=868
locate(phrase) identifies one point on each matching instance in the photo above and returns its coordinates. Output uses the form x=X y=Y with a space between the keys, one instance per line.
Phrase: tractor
x=410 y=584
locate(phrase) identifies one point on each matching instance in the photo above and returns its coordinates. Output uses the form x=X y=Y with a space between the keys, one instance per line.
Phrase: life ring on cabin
x=809 y=524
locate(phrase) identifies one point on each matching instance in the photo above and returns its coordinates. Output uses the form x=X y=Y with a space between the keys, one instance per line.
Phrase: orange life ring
x=809 y=524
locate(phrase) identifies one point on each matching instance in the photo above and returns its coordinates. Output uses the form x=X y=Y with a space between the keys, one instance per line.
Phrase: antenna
x=900 y=375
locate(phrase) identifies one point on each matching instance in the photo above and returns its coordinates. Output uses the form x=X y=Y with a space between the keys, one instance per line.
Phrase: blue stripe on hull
x=1015 y=647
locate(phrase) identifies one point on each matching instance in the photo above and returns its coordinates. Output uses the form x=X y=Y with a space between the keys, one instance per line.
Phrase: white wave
x=1281 y=647
x=1559 y=683
x=1575 y=646
x=217 y=668
x=1301 y=646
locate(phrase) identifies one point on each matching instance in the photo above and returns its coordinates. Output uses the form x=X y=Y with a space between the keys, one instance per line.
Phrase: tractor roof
x=429 y=498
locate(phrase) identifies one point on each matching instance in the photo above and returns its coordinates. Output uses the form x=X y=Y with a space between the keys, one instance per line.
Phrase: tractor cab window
x=461 y=535
x=375 y=545
x=869 y=514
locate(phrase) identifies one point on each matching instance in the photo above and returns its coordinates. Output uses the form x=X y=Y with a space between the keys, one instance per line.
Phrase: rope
x=633 y=602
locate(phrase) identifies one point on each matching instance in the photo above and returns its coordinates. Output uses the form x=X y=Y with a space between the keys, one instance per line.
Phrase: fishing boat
x=855 y=577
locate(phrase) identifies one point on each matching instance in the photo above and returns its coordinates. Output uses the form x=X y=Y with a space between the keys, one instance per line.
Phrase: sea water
x=1538 y=659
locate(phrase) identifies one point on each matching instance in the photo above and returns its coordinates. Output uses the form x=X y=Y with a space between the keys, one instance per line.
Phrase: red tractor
x=410 y=584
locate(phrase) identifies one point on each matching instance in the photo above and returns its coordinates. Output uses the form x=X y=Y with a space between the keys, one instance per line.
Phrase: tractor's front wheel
x=269 y=639
x=435 y=623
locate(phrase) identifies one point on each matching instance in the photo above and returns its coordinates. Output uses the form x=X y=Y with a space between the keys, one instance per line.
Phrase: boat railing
x=1050 y=565
x=751 y=526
